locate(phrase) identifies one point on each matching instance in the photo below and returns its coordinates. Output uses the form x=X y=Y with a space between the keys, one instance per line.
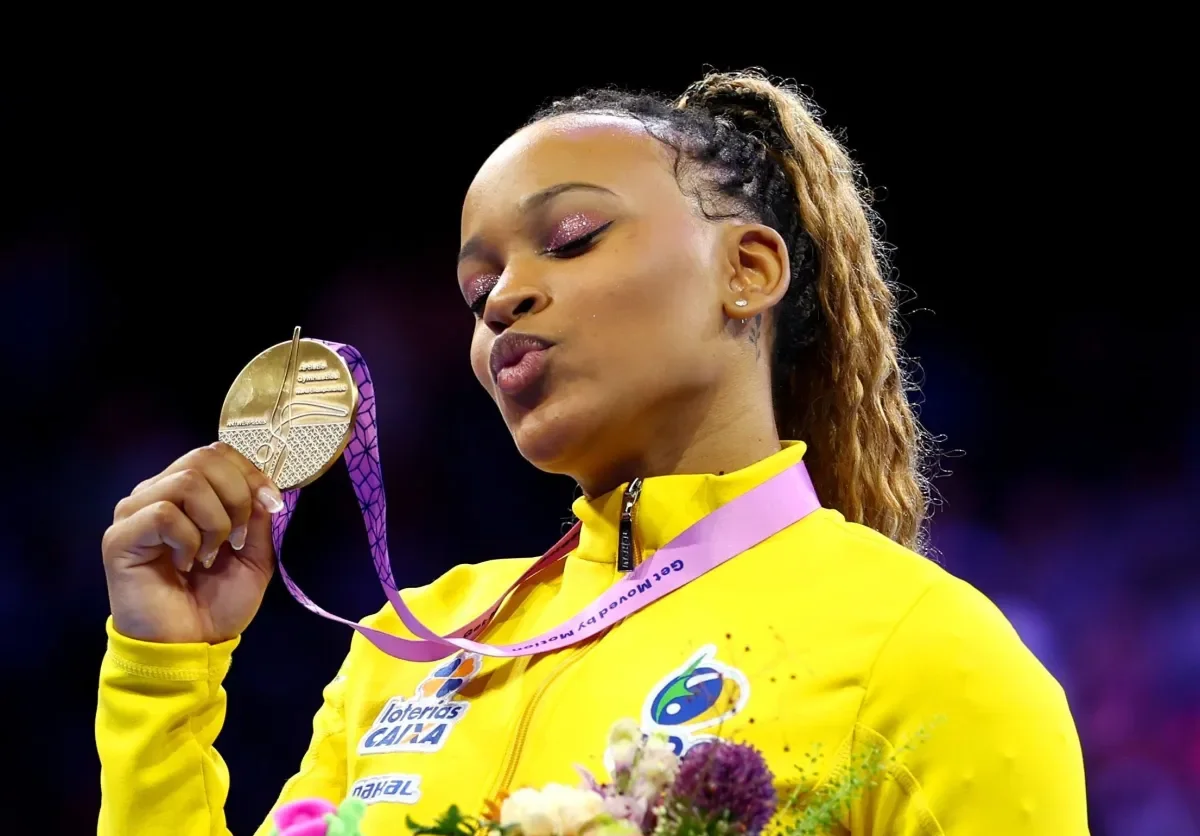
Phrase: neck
x=724 y=440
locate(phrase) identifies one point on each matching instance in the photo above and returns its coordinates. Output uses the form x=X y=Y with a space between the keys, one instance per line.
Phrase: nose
x=509 y=301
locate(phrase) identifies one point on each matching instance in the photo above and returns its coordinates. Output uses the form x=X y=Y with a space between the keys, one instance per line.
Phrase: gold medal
x=291 y=411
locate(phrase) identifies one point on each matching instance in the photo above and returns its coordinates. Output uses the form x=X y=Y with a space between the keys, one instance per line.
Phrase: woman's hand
x=189 y=554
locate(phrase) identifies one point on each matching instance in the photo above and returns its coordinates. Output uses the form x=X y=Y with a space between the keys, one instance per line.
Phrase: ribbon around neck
x=728 y=531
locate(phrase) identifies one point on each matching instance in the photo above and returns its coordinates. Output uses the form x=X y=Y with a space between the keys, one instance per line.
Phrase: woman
x=663 y=291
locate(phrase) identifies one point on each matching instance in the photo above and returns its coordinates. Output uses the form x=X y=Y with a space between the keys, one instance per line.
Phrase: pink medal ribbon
x=725 y=533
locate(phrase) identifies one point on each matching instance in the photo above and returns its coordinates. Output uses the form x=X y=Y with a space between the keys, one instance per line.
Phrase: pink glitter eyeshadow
x=571 y=228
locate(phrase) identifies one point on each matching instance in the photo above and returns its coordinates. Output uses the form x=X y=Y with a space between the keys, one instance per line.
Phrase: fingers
x=215 y=488
x=264 y=492
x=195 y=494
x=144 y=532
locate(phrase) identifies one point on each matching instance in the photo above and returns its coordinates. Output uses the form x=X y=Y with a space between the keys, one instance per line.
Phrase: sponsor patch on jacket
x=393 y=788
x=421 y=723
x=701 y=694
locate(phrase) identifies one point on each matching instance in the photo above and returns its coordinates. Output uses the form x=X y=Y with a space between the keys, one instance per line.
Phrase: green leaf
x=450 y=823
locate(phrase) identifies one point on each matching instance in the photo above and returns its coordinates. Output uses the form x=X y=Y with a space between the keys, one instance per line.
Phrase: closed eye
x=477 y=295
x=481 y=289
x=577 y=246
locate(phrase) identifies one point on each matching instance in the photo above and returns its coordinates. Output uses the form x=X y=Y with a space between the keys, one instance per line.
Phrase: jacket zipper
x=514 y=750
x=628 y=556
x=626 y=545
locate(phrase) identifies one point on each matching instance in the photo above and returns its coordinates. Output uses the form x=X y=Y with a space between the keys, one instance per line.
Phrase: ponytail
x=847 y=397
x=840 y=381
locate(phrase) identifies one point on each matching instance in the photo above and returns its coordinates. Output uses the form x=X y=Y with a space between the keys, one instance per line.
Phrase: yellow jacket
x=826 y=639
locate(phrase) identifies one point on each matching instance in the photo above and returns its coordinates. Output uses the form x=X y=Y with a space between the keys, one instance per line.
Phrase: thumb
x=259 y=550
x=256 y=549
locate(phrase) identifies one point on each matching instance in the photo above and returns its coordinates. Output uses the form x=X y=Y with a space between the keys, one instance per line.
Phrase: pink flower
x=306 y=817
x=626 y=807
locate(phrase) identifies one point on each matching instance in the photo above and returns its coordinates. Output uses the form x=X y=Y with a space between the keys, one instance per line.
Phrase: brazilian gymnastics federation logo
x=422 y=722
x=700 y=695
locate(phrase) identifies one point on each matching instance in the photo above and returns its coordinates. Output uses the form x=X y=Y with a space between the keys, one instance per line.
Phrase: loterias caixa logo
x=422 y=722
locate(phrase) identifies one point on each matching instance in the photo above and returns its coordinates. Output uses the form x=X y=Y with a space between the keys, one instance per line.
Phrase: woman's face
x=576 y=235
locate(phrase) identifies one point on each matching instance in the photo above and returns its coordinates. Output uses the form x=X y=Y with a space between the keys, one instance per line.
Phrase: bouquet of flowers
x=717 y=788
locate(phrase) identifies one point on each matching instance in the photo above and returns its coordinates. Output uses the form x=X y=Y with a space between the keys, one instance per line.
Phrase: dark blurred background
x=156 y=232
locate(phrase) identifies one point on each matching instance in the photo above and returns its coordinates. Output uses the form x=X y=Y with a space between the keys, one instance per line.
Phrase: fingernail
x=237 y=538
x=270 y=499
x=207 y=560
x=189 y=566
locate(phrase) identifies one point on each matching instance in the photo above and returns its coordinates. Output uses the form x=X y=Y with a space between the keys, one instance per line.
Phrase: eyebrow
x=528 y=204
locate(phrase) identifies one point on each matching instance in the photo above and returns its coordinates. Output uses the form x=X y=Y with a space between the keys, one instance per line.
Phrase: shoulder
x=972 y=717
x=858 y=581
x=929 y=610
x=953 y=666
x=862 y=552
x=943 y=629
x=954 y=631
x=924 y=625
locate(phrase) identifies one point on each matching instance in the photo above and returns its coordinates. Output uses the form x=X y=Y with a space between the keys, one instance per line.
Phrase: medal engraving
x=291 y=411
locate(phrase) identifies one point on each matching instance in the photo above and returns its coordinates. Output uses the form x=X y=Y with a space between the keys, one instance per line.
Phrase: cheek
x=659 y=304
x=481 y=349
x=654 y=267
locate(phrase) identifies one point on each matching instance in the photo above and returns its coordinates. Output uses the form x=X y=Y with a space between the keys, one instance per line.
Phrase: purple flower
x=589 y=780
x=720 y=777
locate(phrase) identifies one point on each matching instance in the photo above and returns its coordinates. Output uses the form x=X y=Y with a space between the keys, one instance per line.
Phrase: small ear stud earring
x=741 y=303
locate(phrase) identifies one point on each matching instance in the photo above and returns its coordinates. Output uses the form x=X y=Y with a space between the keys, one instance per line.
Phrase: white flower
x=556 y=810
x=657 y=766
x=659 y=741
x=623 y=753
x=623 y=731
x=530 y=812
x=574 y=808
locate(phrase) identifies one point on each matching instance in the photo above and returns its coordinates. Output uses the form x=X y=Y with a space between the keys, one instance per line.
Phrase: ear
x=760 y=271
